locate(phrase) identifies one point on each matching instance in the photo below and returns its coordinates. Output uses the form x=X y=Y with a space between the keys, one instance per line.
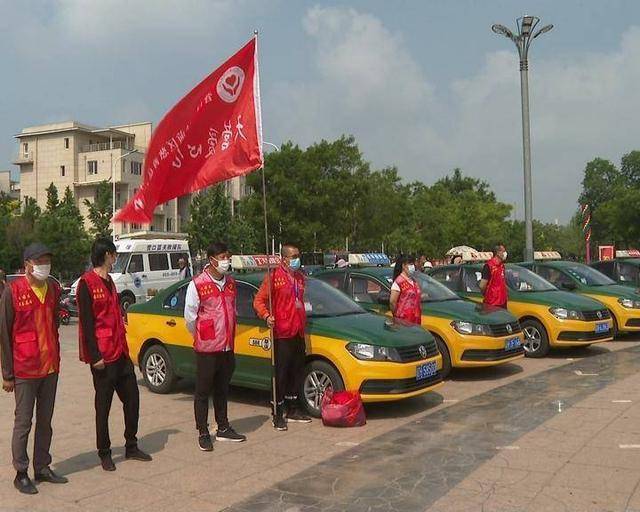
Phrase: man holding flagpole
x=286 y=315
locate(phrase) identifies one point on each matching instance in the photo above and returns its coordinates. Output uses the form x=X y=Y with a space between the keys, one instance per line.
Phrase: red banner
x=213 y=134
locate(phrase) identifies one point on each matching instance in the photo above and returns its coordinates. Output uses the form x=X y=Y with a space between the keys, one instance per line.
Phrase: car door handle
x=171 y=323
x=144 y=275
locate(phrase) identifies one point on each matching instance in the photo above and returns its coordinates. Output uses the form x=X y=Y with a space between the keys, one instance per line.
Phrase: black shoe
x=47 y=475
x=107 y=463
x=297 y=416
x=205 y=443
x=23 y=483
x=279 y=423
x=137 y=454
x=229 y=434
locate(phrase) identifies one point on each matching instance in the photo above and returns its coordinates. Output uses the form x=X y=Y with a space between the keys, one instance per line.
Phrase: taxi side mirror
x=383 y=298
x=569 y=285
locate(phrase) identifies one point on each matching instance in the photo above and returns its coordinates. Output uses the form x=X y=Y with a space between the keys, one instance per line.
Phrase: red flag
x=213 y=134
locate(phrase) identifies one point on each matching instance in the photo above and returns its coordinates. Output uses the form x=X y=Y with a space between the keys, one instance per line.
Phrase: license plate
x=602 y=328
x=512 y=344
x=426 y=370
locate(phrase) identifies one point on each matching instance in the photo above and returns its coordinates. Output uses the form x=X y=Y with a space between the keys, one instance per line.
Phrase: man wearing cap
x=30 y=354
x=103 y=346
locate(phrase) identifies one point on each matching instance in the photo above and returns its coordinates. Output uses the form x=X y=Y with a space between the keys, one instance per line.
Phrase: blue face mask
x=294 y=264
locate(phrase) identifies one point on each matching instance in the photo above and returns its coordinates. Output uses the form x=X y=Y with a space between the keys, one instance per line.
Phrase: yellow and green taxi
x=622 y=302
x=624 y=271
x=347 y=347
x=467 y=334
x=549 y=317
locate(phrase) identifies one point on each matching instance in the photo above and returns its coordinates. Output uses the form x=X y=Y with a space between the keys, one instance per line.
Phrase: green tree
x=600 y=184
x=10 y=254
x=61 y=228
x=313 y=195
x=101 y=211
x=630 y=169
x=52 y=197
x=210 y=218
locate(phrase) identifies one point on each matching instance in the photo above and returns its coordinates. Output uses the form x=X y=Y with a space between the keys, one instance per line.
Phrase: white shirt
x=192 y=301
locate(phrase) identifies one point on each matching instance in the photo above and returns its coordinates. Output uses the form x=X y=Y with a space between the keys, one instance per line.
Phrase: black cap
x=35 y=250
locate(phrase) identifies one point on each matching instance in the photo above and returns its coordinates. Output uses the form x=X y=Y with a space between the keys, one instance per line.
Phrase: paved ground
x=553 y=434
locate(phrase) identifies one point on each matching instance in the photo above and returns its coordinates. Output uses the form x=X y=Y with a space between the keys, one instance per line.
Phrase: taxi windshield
x=323 y=300
x=121 y=262
x=521 y=279
x=588 y=276
x=432 y=290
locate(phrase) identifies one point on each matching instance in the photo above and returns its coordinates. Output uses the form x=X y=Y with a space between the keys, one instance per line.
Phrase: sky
x=423 y=85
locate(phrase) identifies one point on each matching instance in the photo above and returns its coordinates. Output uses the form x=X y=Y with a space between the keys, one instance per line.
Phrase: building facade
x=8 y=186
x=78 y=156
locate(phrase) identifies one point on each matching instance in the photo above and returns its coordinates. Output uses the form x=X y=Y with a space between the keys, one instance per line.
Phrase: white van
x=144 y=265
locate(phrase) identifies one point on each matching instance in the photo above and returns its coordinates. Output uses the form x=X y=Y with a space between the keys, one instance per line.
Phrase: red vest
x=496 y=292
x=409 y=306
x=36 y=347
x=288 y=303
x=216 y=321
x=109 y=327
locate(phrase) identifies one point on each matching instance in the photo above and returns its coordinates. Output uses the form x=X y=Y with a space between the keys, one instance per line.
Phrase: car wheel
x=126 y=300
x=318 y=377
x=157 y=369
x=536 y=340
x=446 y=358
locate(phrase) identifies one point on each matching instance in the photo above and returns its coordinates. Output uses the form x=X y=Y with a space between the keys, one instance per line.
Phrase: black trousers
x=290 y=357
x=119 y=377
x=213 y=375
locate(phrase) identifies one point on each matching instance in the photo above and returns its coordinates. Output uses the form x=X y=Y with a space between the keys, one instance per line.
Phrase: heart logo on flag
x=230 y=84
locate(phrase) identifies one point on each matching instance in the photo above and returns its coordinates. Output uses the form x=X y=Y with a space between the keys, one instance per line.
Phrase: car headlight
x=366 y=352
x=471 y=328
x=629 y=303
x=566 y=314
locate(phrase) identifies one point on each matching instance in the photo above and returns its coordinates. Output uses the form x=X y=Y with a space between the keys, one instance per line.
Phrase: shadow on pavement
x=250 y=423
x=184 y=391
x=403 y=408
x=487 y=373
x=150 y=443
x=579 y=352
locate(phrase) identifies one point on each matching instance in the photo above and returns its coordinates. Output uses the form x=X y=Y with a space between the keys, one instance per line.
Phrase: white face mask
x=223 y=266
x=41 y=272
x=504 y=256
x=411 y=269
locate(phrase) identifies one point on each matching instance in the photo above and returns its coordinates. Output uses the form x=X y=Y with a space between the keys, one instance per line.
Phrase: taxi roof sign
x=468 y=257
x=547 y=255
x=254 y=261
x=468 y=254
x=628 y=253
x=369 y=259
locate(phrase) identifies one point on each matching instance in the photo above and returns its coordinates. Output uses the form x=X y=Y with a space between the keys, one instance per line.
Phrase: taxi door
x=252 y=343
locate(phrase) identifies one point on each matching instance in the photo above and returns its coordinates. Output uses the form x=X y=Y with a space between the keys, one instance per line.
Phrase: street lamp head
x=526 y=24
x=502 y=30
x=544 y=29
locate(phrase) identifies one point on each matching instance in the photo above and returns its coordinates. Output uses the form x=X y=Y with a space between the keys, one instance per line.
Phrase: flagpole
x=274 y=403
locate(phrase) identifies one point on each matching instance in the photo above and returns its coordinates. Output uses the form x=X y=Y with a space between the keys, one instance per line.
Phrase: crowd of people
x=30 y=346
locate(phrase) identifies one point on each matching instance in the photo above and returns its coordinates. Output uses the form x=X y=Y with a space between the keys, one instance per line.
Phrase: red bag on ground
x=342 y=409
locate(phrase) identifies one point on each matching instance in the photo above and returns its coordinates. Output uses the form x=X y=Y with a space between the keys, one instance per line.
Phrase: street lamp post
x=522 y=40
x=113 y=193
